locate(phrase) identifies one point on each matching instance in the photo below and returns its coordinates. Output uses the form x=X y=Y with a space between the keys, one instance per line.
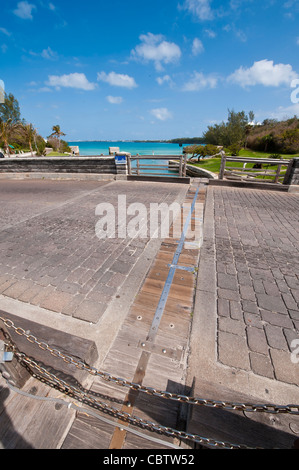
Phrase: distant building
x=75 y=149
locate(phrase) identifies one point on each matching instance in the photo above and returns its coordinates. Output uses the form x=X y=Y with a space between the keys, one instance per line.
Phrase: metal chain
x=82 y=396
x=248 y=407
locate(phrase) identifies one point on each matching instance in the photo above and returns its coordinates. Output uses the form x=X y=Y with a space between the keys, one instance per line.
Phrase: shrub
x=234 y=149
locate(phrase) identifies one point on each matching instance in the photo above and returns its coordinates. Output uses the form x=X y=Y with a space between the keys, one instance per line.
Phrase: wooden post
x=222 y=167
x=287 y=176
x=276 y=179
x=185 y=165
x=129 y=165
x=13 y=371
x=181 y=166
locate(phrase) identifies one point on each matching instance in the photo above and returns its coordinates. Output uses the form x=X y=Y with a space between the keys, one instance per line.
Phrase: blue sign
x=120 y=159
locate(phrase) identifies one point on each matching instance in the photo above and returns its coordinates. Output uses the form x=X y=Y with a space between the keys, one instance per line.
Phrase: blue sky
x=151 y=69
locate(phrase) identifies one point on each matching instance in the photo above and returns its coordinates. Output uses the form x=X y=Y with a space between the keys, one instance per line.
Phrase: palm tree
x=29 y=133
x=6 y=130
x=57 y=132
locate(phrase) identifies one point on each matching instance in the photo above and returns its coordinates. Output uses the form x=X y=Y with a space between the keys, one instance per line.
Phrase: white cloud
x=4 y=31
x=231 y=28
x=117 y=79
x=44 y=89
x=210 y=33
x=161 y=113
x=45 y=54
x=24 y=10
x=49 y=54
x=154 y=48
x=73 y=80
x=199 y=81
x=282 y=113
x=200 y=8
x=114 y=99
x=264 y=72
x=165 y=79
x=197 y=47
x=293 y=7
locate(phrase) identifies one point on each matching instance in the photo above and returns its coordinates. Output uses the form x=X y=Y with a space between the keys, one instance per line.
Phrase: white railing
x=144 y=168
x=263 y=169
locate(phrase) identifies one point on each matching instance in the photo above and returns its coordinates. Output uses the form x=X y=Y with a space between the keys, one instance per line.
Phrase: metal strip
x=164 y=296
x=183 y=268
x=157 y=349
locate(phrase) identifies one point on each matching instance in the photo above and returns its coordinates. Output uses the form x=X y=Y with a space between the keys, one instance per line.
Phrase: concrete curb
x=248 y=184
x=62 y=176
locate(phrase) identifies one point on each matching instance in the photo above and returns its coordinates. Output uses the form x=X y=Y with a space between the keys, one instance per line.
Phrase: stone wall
x=294 y=173
x=100 y=165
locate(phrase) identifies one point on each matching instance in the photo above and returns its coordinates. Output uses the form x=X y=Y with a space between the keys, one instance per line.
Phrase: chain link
x=82 y=396
x=248 y=407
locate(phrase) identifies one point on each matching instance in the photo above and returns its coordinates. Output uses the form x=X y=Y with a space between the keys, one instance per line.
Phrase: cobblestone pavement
x=50 y=256
x=257 y=266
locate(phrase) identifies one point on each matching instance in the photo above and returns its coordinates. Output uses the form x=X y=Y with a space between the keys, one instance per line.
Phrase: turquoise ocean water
x=134 y=148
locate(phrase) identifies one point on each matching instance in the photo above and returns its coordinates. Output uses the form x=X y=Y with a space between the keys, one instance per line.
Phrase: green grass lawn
x=213 y=164
x=56 y=154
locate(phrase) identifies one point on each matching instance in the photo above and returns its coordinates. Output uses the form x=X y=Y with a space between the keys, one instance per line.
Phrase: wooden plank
x=79 y=348
x=88 y=433
x=257 y=160
x=251 y=429
x=134 y=442
x=28 y=423
x=172 y=325
x=149 y=300
x=109 y=392
x=180 y=292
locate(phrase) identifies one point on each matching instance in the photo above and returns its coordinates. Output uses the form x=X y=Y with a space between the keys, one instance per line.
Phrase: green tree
x=236 y=128
x=57 y=132
x=201 y=151
x=251 y=116
x=290 y=140
x=232 y=132
x=10 y=109
x=29 y=134
x=268 y=140
x=7 y=128
x=215 y=135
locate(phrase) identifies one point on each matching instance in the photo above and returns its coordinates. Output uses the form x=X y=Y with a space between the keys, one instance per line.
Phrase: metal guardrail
x=156 y=169
x=261 y=170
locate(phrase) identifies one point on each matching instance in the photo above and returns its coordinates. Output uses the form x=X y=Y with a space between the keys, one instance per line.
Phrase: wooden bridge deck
x=149 y=352
x=144 y=352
